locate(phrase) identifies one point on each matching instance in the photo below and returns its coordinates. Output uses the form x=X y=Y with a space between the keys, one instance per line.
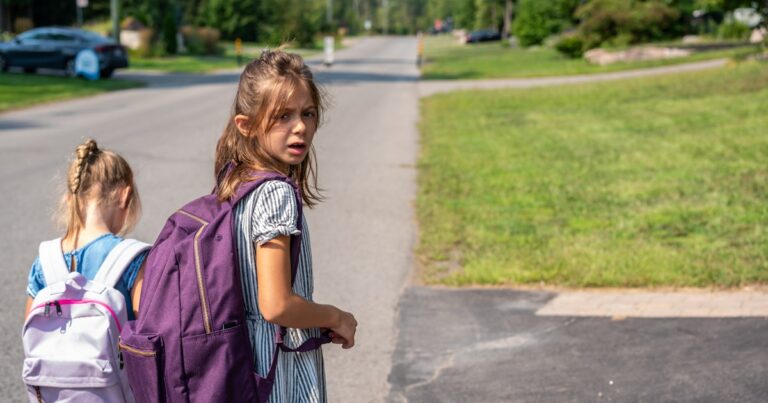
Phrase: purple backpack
x=190 y=342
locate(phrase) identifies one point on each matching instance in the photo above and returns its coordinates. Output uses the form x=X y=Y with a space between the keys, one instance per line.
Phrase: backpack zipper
x=143 y=353
x=58 y=303
x=124 y=347
x=38 y=394
x=199 y=270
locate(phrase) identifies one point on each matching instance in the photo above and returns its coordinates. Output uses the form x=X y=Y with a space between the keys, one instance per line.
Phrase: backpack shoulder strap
x=52 y=261
x=118 y=260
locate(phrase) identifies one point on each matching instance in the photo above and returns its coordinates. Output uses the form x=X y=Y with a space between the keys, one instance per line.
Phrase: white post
x=328 y=47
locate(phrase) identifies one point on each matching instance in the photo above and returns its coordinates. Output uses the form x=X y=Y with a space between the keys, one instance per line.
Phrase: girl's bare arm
x=136 y=290
x=29 y=306
x=278 y=304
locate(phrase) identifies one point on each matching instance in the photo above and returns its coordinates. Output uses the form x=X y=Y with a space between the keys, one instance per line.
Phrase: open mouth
x=297 y=147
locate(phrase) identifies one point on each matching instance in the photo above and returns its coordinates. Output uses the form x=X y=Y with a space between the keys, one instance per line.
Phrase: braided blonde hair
x=96 y=175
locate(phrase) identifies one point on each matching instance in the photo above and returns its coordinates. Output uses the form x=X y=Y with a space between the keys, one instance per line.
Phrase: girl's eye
x=310 y=114
x=285 y=116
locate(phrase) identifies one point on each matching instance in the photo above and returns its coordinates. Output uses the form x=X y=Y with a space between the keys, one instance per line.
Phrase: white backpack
x=71 y=334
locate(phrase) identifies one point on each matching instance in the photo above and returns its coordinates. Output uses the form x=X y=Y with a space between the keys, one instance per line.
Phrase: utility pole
x=385 y=6
x=115 y=23
x=329 y=13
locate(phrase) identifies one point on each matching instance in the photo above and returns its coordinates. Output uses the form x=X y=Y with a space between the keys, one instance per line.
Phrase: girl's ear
x=243 y=126
x=125 y=196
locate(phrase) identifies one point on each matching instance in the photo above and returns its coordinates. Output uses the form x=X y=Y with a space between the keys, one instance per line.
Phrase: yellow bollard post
x=239 y=51
x=420 y=50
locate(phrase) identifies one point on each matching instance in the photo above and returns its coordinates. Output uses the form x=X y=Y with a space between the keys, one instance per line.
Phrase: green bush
x=624 y=22
x=732 y=29
x=571 y=46
x=201 y=40
x=536 y=19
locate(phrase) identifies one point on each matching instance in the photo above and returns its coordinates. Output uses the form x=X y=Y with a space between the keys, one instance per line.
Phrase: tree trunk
x=508 y=9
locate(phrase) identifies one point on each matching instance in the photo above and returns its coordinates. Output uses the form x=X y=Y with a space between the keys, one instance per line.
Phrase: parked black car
x=483 y=35
x=56 y=48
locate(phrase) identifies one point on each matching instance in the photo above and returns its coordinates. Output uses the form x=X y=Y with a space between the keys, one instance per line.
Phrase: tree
x=536 y=20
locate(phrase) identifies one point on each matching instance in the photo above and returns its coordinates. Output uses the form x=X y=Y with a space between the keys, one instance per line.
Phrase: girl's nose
x=300 y=126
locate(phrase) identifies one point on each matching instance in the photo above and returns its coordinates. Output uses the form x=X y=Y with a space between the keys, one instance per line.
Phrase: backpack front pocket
x=142 y=356
x=71 y=381
x=222 y=358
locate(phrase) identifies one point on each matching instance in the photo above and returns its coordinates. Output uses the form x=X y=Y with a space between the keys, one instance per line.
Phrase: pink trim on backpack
x=83 y=301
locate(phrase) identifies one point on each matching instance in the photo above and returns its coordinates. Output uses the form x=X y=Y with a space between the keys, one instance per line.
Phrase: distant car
x=56 y=48
x=483 y=35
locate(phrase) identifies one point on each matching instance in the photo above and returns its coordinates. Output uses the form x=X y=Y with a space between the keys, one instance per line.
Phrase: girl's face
x=289 y=140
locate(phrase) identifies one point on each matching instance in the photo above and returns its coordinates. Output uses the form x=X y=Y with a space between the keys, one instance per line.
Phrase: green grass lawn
x=204 y=64
x=448 y=60
x=651 y=182
x=19 y=90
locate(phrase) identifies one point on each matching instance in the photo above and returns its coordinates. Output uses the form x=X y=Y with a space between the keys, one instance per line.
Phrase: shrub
x=536 y=19
x=201 y=40
x=624 y=22
x=732 y=29
x=571 y=46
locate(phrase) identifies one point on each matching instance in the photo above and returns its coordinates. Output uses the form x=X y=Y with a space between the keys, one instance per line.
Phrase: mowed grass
x=653 y=182
x=206 y=64
x=446 y=59
x=18 y=90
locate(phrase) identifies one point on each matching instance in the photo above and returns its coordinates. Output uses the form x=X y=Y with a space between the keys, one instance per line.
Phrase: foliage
x=571 y=46
x=622 y=22
x=201 y=40
x=651 y=182
x=732 y=29
x=447 y=59
x=536 y=20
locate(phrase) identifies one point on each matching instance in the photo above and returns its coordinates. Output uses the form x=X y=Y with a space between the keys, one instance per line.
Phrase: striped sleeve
x=275 y=212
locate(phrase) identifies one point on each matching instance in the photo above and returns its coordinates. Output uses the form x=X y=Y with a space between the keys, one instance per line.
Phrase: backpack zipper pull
x=38 y=394
x=58 y=308
x=47 y=311
x=120 y=351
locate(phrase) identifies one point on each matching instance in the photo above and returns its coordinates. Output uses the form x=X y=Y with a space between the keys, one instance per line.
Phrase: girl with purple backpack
x=277 y=110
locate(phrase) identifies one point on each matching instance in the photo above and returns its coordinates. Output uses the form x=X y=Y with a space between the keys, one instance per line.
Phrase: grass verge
x=653 y=182
x=18 y=90
x=206 y=64
x=448 y=60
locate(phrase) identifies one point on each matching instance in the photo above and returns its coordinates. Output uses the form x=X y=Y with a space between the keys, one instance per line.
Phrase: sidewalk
x=502 y=345
x=429 y=87
x=659 y=304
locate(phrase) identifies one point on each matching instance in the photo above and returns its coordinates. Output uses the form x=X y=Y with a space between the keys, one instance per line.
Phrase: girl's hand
x=344 y=333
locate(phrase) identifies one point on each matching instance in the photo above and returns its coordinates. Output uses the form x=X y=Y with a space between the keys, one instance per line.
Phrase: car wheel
x=107 y=73
x=69 y=68
x=30 y=70
x=3 y=64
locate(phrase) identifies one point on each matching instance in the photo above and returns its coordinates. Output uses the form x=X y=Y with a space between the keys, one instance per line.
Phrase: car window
x=60 y=37
x=31 y=35
x=88 y=36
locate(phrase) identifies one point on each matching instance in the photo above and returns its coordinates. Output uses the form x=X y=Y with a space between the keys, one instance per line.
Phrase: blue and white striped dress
x=268 y=212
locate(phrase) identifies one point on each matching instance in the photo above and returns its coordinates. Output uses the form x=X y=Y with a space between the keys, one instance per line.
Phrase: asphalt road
x=487 y=345
x=362 y=235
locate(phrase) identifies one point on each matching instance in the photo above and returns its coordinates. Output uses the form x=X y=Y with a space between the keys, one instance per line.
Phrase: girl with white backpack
x=85 y=286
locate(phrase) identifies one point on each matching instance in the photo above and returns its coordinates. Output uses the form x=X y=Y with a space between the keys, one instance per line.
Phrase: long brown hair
x=265 y=87
x=96 y=175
